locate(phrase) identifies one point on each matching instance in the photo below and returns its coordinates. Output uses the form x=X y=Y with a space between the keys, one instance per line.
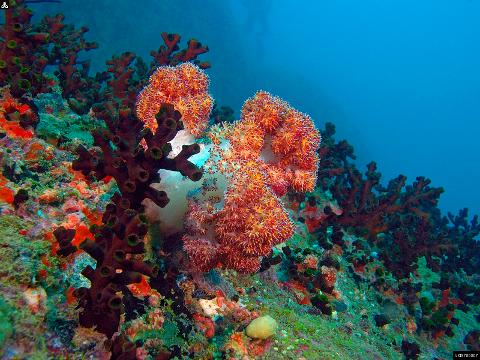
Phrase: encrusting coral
x=17 y=118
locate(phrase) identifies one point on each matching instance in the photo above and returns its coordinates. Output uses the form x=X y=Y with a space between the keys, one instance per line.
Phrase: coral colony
x=139 y=220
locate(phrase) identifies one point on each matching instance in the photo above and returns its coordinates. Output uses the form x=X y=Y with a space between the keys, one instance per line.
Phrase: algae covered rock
x=59 y=124
x=262 y=327
x=6 y=327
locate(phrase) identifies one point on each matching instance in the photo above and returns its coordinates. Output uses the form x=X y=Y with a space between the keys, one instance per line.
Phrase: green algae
x=169 y=334
x=6 y=326
x=21 y=262
x=20 y=255
x=67 y=128
x=427 y=276
x=59 y=124
x=26 y=325
x=318 y=337
x=305 y=334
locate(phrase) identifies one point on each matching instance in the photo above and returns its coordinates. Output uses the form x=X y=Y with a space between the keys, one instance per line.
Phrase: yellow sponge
x=262 y=327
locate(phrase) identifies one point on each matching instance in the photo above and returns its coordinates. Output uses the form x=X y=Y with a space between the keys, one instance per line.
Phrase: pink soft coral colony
x=239 y=215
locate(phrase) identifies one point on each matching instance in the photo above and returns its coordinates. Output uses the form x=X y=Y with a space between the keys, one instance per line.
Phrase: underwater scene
x=239 y=179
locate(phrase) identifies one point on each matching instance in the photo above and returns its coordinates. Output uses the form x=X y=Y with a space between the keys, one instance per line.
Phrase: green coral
x=439 y=317
x=169 y=333
x=426 y=305
x=59 y=321
x=25 y=325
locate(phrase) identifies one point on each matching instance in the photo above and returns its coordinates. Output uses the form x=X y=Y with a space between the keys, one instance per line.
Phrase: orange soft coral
x=250 y=223
x=186 y=87
x=283 y=140
x=273 y=148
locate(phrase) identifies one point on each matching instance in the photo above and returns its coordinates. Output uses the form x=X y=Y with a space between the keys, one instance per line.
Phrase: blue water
x=400 y=79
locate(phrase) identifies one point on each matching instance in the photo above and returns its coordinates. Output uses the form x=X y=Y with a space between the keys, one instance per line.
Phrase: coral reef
x=402 y=221
x=29 y=48
x=140 y=221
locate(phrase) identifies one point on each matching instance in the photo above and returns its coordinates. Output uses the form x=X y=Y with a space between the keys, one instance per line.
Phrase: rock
x=262 y=327
x=340 y=306
x=381 y=320
x=209 y=307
